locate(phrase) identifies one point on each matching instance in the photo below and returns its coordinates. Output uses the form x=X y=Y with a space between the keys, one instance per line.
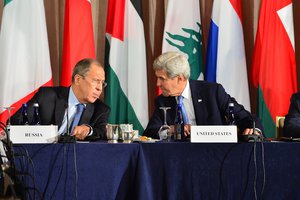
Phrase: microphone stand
x=67 y=137
x=253 y=137
x=256 y=137
x=12 y=185
x=9 y=146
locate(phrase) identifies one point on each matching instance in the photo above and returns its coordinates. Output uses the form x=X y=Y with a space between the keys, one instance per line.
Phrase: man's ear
x=77 y=79
x=181 y=78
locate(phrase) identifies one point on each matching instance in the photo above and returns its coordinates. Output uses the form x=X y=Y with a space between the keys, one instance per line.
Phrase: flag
x=226 y=61
x=24 y=53
x=125 y=64
x=183 y=33
x=274 y=62
x=78 y=37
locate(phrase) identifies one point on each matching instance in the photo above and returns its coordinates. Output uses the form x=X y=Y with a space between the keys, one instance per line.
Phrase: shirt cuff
x=91 y=130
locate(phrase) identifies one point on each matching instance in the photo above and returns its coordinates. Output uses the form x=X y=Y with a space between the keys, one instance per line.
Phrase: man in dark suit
x=291 y=126
x=205 y=103
x=56 y=103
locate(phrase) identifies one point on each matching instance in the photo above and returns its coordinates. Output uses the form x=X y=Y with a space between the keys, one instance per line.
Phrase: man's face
x=169 y=86
x=90 y=87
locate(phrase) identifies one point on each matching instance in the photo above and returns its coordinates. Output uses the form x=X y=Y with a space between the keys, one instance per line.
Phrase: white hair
x=174 y=63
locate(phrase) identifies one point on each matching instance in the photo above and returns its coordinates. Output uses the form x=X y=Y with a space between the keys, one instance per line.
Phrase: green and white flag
x=125 y=64
x=24 y=53
x=183 y=33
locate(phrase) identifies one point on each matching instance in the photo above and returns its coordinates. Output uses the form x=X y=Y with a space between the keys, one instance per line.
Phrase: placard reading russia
x=33 y=134
x=214 y=134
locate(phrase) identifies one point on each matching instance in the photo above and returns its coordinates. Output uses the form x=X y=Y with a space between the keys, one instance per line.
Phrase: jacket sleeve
x=99 y=122
x=292 y=119
x=244 y=119
x=154 y=123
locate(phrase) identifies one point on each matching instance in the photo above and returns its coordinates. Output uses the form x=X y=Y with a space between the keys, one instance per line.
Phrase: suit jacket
x=291 y=126
x=53 y=102
x=210 y=103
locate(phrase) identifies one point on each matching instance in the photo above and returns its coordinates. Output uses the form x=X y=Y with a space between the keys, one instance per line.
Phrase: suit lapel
x=87 y=114
x=198 y=102
x=61 y=105
x=172 y=112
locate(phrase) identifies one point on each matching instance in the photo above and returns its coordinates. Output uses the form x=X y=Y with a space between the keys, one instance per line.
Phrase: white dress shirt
x=72 y=102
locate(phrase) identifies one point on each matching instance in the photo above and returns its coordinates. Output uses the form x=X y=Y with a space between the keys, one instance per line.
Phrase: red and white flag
x=24 y=53
x=274 y=62
x=78 y=37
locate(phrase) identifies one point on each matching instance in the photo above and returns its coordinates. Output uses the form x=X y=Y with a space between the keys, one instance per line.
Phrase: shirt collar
x=186 y=92
x=73 y=101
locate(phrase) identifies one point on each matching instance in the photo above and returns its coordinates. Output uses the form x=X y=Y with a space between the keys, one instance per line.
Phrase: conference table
x=101 y=170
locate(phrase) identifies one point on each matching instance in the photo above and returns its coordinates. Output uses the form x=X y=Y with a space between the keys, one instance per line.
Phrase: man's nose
x=99 y=87
x=158 y=83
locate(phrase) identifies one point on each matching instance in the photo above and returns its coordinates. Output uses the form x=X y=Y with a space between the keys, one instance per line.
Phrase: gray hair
x=174 y=63
x=83 y=66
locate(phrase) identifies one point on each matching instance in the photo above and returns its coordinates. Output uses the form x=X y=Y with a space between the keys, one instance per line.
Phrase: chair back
x=279 y=126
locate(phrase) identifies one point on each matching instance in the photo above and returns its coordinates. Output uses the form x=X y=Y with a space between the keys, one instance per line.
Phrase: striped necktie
x=79 y=110
x=184 y=115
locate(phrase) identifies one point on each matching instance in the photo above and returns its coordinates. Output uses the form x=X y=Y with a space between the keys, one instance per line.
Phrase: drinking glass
x=8 y=113
x=165 y=130
x=112 y=133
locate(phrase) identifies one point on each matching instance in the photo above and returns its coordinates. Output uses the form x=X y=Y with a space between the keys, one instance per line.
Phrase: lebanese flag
x=125 y=64
x=24 y=53
x=226 y=60
x=78 y=37
x=182 y=33
x=274 y=63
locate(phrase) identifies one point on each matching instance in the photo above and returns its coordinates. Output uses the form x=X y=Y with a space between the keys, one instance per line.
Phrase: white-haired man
x=205 y=103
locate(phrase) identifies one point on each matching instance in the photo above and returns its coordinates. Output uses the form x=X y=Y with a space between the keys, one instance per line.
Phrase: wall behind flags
x=154 y=18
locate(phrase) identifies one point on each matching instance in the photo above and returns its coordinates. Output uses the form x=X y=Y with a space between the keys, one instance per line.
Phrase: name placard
x=33 y=134
x=214 y=134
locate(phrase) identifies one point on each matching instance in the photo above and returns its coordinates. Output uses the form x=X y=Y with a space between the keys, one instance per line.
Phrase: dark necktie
x=79 y=110
x=184 y=115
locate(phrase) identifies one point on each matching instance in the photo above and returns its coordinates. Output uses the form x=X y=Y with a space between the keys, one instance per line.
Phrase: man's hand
x=80 y=132
x=249 y=131
x=187 y=130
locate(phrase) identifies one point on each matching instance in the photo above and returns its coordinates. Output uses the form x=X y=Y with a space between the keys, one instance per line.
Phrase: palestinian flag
x=125 y=64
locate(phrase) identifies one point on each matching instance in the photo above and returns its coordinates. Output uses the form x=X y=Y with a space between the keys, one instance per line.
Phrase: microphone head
x=35 y=105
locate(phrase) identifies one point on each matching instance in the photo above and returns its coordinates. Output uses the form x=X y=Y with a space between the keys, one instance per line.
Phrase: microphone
x=231 y=117
x=67 y=137
x=67 y=111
